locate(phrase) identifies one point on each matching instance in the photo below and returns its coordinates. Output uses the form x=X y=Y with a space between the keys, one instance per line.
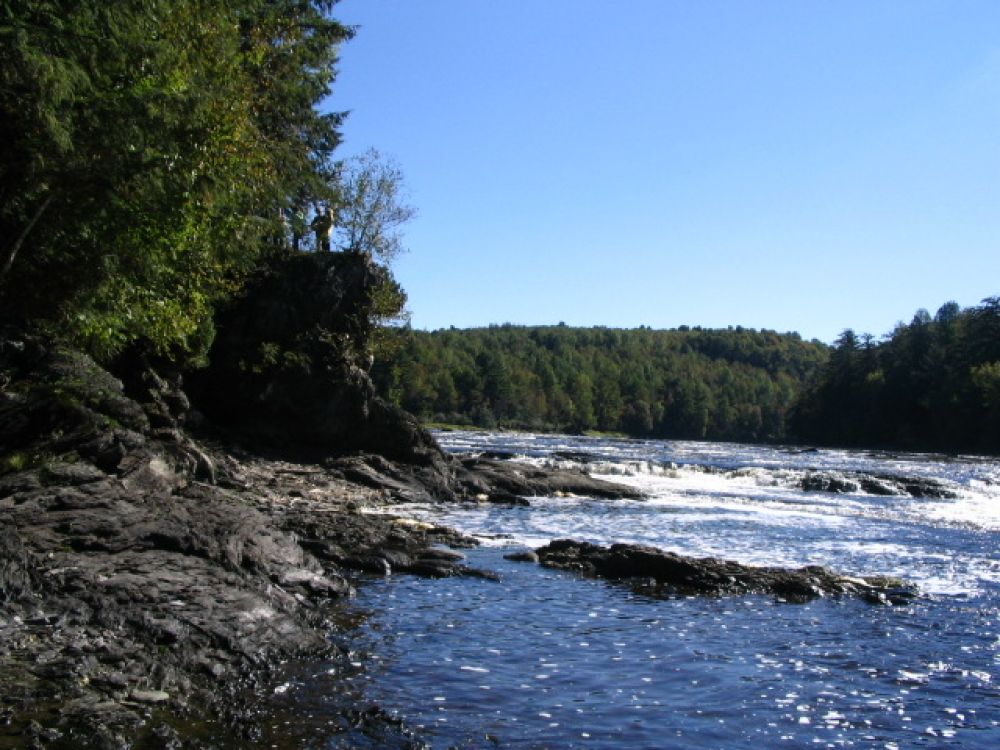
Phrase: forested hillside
x=933 y=384
x=735 y=384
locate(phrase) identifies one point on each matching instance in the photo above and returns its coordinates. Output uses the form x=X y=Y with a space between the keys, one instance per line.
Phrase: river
x=545 y=659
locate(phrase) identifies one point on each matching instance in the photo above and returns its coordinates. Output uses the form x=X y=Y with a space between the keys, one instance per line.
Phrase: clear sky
x=795 y=165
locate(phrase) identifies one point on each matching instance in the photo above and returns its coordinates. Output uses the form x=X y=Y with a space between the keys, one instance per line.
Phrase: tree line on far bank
x=932 y=384
x=735 y=384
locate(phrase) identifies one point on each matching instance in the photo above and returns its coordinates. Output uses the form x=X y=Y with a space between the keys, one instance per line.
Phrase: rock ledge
x=659 y=572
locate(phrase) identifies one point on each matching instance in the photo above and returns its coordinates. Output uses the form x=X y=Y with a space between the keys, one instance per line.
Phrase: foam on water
x=977 y=506
x=746 y=503
x=764 y=473
x=546 y=659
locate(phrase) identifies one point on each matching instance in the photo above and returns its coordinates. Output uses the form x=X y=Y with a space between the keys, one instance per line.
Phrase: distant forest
x=735 y=384
x=932 y=384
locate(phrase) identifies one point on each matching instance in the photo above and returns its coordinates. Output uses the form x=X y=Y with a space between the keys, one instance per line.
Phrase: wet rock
x=828 y=483
x=509 y=479
x=578 y=456
x=524 y=556
x=920 y=487
x=375 y=564
x=375 y=472
x=442 y=555
x=678 y=574
x=498 y=455
x=875 y=484
x=878 y=487
x=432 y=569
x=314 y=584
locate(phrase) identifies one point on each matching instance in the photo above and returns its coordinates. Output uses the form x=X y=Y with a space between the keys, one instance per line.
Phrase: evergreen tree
x=151 y=150
x=736 y=385
x=929 y=385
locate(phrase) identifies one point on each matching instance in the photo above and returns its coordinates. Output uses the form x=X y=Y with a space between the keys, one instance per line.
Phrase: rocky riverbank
x=149 y=579
x=161 y=559
x=128 y=605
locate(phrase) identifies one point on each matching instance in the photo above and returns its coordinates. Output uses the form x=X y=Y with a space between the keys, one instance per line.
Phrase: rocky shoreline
x=151 y=581
x=155 y=578
x=136 y=605
x=124 y=603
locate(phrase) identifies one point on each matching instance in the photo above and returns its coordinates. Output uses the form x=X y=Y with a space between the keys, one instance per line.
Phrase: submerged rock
x=817 y=482
x=662 y=572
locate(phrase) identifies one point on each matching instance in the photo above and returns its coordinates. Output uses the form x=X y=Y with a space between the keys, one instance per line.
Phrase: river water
x=545 y=659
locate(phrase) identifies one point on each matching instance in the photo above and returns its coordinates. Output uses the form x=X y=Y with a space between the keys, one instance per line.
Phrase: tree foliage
x=735 y=384
x=369 y=206
x=151 y=152
x=932 y=384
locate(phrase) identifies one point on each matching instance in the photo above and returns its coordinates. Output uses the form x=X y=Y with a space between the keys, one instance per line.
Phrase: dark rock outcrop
x=875 y=484
x=139 y=568
x=289 y=366
x=114 y=598
x=289 y=373
x=510 y=481
x=659 y=572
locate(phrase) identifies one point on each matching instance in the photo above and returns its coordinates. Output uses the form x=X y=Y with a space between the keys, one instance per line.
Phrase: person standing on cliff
x=322 y=225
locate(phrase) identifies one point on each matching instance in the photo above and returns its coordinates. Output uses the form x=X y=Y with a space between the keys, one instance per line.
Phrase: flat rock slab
x=876 y=484
x=520 y=480
x=665 y=573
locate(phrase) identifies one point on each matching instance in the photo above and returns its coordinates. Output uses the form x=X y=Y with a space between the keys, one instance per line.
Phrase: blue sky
x=799 y=166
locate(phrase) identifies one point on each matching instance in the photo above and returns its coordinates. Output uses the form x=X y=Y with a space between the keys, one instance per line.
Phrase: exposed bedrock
x=289 y=366
x=521 y=480
x=659 y=572
x=875 y=484
x=146 y=575
x=142 y=570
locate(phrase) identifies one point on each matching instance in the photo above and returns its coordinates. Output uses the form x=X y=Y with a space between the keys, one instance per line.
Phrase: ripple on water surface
x=545 y=659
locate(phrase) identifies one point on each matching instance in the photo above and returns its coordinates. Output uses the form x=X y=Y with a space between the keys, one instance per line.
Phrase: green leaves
x=149 y=150
x=931 y=385
x=728 y=384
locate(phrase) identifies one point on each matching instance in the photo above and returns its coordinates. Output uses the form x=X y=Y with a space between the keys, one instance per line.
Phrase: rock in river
x=663 y=572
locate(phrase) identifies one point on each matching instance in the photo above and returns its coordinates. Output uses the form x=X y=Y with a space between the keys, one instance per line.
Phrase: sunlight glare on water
x=548 y=659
